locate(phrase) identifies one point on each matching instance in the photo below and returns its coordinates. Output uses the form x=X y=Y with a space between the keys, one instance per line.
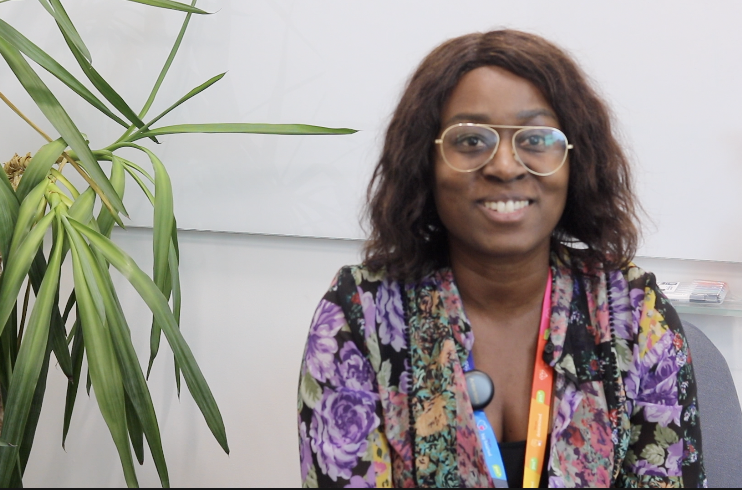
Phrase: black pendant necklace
x=480 y=388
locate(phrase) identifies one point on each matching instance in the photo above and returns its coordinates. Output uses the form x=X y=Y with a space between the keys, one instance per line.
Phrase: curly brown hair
x=407 y=237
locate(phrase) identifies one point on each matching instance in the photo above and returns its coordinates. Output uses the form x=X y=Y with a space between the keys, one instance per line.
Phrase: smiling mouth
x=506 y=206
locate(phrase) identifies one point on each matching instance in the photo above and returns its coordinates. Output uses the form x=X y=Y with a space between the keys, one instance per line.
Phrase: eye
x=534 y=140
x=531 y=140
x=469 y=142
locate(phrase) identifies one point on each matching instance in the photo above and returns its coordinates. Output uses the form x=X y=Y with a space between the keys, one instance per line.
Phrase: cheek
x=449 y=190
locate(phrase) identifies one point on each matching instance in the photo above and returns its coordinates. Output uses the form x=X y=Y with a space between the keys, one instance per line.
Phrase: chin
x=514 y=248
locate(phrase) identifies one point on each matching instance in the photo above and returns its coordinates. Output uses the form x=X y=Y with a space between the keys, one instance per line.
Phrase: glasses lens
x=540 y=149
x=467 y=147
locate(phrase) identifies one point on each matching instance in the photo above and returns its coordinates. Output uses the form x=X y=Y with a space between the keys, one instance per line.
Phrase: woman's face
x=468 y=202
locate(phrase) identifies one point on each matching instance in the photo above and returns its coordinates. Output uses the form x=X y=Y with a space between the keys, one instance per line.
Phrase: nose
x=504 y=166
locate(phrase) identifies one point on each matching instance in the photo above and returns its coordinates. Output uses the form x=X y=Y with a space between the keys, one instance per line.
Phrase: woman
x=502 y=216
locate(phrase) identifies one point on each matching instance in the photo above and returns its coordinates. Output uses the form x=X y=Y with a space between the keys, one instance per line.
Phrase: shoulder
x=366 y=298
x=638 y=278
x=654 y=323
x=357 y=285
x=646 y=294
x=361 y=276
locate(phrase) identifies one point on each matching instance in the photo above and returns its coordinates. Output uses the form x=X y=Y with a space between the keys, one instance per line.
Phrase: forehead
x=493 y=95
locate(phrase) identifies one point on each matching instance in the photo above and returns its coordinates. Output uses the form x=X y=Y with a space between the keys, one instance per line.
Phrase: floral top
x=383 y=400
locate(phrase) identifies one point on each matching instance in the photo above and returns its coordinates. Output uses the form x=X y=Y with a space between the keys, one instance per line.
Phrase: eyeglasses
x=467 y=147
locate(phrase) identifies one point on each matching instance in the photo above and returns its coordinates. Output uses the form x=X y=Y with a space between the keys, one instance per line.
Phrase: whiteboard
x=671 y=70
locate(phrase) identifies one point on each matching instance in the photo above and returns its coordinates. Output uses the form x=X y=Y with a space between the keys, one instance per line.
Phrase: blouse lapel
x=582 y=450
x=447 y=452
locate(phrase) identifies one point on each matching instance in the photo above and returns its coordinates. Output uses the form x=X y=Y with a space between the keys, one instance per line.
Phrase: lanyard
x=538 y=418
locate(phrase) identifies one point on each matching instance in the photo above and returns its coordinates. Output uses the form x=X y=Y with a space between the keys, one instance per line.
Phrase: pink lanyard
x=538 y=418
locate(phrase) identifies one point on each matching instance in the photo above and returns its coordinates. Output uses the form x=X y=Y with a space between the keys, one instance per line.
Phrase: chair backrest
x=721 y=416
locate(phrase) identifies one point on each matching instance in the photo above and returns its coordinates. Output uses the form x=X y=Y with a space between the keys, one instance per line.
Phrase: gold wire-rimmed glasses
x=467 y=147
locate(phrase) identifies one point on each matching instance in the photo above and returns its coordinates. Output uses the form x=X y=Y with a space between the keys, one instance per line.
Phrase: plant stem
x=23 y=116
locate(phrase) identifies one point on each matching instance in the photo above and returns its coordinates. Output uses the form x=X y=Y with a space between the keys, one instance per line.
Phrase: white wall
x=670 y=69
x=248 y=301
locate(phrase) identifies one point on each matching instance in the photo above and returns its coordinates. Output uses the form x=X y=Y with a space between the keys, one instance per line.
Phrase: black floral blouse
x=383 y=401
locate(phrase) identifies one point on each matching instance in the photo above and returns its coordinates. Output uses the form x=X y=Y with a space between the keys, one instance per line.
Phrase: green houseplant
x=38 y=200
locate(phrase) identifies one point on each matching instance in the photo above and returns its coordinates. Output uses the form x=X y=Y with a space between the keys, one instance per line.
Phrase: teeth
x=506 y=206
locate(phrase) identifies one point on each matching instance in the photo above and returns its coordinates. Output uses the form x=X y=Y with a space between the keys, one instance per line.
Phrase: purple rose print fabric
x=354 y=371
x=340 y=426
x=382 y=395
x=390 y=313
x=322 y=345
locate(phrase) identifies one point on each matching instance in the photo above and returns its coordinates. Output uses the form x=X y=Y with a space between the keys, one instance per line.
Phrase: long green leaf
x=103 y=368
x=103 y=86
x=9 y=207
x=82 y=209
x=169 y=4
x=173 y=261
x=57 y=332
x=135 y=430
x=141 y=183
x=78 y=351
x=250 y=128
x=34 y=414
x=162 y=236
x=159 y=306
x=9 y=340
x=65 y=24
x=17 y=268
x=56 y=114
x=27 y=215
x=61 y=179
x=71 y=302
x=40 y=165
x=134 y=383
x=118 y=181
x=6 y=368
x=134 y=166
x=166 y=66
x=29 y=365
x=183 y=99
x=25 y=46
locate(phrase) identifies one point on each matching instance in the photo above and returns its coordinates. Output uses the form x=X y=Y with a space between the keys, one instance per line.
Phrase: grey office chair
x=721 y=416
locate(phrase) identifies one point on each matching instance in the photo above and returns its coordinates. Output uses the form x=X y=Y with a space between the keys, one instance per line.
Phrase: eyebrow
x=522 y=116
x=527 y=115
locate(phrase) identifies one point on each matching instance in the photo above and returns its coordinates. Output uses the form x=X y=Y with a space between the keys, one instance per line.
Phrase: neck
x=501 y=287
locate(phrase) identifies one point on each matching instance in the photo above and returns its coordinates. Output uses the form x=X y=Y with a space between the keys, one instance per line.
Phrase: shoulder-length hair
x=407 y=238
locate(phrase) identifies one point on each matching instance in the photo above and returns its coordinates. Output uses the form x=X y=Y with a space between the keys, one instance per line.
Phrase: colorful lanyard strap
x=538 y=418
